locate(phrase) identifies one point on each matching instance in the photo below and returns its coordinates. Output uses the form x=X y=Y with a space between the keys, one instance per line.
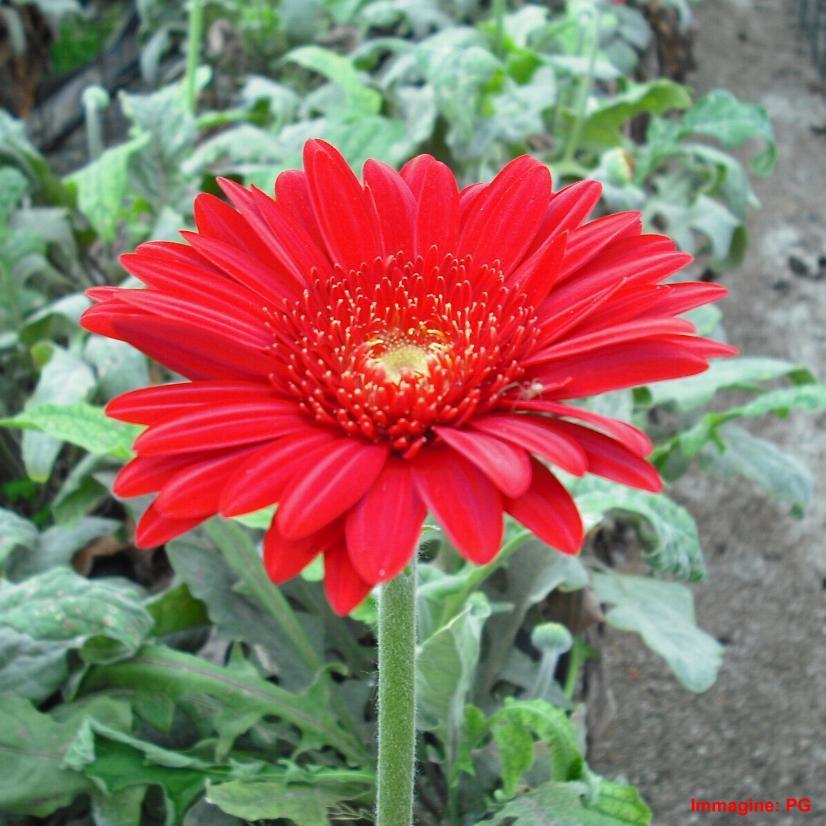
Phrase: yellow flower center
x=404 y=359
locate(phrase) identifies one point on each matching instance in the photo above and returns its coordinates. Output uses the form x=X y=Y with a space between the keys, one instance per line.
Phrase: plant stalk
x=195 y=32
x=586 y=86
x=397 y=700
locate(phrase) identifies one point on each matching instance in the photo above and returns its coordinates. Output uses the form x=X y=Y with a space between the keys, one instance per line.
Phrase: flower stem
x=397 y=700
x=586 y=86
x=193 y=49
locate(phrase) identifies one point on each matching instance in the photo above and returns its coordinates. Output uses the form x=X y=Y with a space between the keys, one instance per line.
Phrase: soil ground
x=761 y=730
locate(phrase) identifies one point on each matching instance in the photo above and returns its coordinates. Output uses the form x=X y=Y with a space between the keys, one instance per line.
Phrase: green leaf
x=16 y=533
x=238 y=604
x=233 y=699
x=64 y=379
x=553 y=727
x=663 y=614
x=33 y=777
x=30 y=668
x=358 y=98
x=575 y=804
x=57 y=545
x=105 y=619
x=533 y=572
x=720 y=115
x=602 y=127
x=120 y=367
x=13 y=186
x=81 y=424
x=303 y=797
x=445 y=670
x=781 y=475
x=116 y=761
x=667 y=530
x=102 y=187
x=176 y=610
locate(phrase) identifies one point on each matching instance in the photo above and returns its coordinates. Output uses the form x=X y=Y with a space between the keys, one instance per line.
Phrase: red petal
x=608 y=458
x=217 y=219
x=537 y=276
x=568 y=208
x=202 y=312
x=265 y=277
x=588 y=241
x=342 y=207
x=534 y=434
x=154 y=529
x=196 y=489
x=383 y=529
x=506 y=217
x=292 y=194
x=466 y=504
x=154 y=404
x=146 y=474
x=232 y=424
x=286 y=238
x=633 y=438
x=191 y=350
x=624 y=365
x=286 y=558
x=618 y=334
x=262 y=478
x=505 y=465
x=345 y=589
x=330 y=487
x=437 y=208
x=394 y=204
x=548 y=511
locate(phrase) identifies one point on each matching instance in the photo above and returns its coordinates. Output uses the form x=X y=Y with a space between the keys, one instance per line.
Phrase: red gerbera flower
x=364 y=353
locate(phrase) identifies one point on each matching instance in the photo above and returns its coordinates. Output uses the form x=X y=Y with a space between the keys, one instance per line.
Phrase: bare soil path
x=761 y=730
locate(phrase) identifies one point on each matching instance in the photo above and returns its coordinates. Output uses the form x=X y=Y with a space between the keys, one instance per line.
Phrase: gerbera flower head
x=365 y=352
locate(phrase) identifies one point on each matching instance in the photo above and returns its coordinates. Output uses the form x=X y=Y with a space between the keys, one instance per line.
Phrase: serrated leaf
x=33 y=779
x=237 y=614
x=79 y=424
x=237 y=698
x=116 y=761
x=662 y=613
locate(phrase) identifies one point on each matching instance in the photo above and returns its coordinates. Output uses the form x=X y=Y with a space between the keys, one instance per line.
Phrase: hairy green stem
x=397 y=700
x=195 y=33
